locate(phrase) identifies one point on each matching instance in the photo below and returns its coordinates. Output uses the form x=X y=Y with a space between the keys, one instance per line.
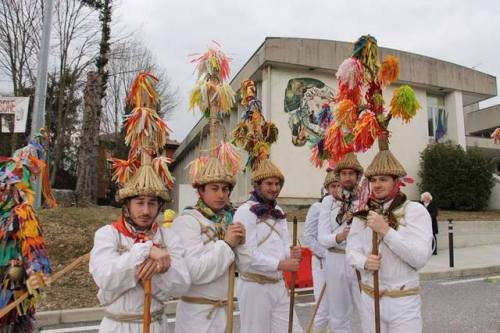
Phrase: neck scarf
x=265 y=208
x=222 y=218
x=378 y=206
x=128 y=230
x=346 y=212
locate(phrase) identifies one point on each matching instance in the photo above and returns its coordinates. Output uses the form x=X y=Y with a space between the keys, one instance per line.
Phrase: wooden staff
x=315 y=310
x=294 y=277
x=376 y=291
x=230 y=298
x=147 y=305
x=52 y=279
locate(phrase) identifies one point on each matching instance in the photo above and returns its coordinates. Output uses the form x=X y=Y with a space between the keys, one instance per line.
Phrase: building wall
x=303 y=180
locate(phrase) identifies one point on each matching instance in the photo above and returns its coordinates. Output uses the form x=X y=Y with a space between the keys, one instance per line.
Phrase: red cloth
x=137 y=236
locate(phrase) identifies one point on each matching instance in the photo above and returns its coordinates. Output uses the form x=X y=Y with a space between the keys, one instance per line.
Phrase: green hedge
x=457 y=179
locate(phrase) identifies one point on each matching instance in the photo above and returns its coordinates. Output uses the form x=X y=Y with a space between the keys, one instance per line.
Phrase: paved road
x=454 y=306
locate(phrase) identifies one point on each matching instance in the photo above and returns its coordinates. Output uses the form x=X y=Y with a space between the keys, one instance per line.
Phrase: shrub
x=457 y=179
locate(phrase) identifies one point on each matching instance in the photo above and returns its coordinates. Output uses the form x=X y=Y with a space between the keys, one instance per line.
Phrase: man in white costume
x=322 y=319
x=136 y=248
x=262 y=294
x=405 y=236
x=335 y=218
x=209 y=238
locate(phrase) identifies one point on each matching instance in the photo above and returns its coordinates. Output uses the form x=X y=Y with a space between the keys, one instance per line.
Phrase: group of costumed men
x=368 y=240
x=139 y=265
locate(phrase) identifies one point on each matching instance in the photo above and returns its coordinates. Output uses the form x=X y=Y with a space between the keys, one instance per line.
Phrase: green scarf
x=222 y=218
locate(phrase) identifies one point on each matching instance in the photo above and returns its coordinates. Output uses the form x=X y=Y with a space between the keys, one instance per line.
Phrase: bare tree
x=127 y=59
x=20 y=32
x=76 y=31
x=86 y=191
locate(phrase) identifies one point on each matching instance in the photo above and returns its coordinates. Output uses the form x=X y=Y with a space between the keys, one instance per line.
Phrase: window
x=436 y=117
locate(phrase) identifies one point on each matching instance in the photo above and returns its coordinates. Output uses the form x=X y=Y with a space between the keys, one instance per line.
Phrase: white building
x=439 y=85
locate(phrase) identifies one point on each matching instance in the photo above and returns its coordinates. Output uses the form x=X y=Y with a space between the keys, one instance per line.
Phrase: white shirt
x=311 y=230
x=115 y=274
x=404 y=251
x=274 y=244
x=208 y=261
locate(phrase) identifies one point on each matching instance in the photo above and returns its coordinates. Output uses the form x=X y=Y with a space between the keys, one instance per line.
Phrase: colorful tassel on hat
x=145 y=128
x=404 y=104
x=229 y=157
x=389 y=71
x=160 y=165
x=365 y=132
x=346 y=113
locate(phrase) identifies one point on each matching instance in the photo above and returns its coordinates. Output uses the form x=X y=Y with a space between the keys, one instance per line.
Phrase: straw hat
x=349 y=161
x=266 y=169
x=385 y=163
x=331 y=177
x=213 y=172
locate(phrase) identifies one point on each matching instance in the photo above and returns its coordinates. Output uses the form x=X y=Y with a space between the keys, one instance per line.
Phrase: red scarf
x=137 y=236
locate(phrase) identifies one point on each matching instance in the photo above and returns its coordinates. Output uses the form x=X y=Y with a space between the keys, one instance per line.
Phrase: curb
x=454 y=273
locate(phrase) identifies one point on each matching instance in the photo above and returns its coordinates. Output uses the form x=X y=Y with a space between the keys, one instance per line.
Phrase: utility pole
x=37 y=119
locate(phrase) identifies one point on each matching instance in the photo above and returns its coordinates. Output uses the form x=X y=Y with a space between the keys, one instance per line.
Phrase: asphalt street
x=449 y=306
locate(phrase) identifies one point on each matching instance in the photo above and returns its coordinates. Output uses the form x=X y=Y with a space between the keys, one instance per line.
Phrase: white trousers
x=322 y=318
x=192 y=318
x=264 y=308
x=342 y=290
x=397 y=315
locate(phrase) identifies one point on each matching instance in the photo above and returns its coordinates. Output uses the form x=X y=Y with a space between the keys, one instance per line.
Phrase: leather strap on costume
x=206 y=230
x=216 y=304
x=133 y=318
x=272 y=228
x=259 y=278
x=390 y=293
x=336 y=250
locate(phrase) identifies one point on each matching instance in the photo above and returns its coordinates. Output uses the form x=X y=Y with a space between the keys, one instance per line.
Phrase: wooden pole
x=230 y=298
x=294 y=277
x=147 y=305
x=376 y=291
x=315 y=310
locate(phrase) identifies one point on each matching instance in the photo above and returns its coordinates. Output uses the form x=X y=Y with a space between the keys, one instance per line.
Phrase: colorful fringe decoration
x=229 y=157
x=360 y=114
x=253 y=133
x=365 y=132
x=211 y=89
x=146 y=134
x=23 y=251
x=145 y=128
x=160 y=165
x=389 y=71
x=346 y=113
x=213 y=62
x=404 y=104
x=336 y=143
x=195 y=167
x=123 y=170
x=143 y=92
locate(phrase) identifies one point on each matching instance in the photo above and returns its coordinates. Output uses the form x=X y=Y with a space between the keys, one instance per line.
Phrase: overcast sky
x=463 y=32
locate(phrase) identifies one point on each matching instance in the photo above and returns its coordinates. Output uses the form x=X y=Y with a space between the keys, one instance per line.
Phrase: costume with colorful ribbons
x=23 y=250
x=360 y=114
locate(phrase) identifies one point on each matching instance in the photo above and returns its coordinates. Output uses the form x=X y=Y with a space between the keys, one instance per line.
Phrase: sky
x=462 y=32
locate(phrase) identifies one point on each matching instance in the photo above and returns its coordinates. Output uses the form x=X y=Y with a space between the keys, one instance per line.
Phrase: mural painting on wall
x=307 y=101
